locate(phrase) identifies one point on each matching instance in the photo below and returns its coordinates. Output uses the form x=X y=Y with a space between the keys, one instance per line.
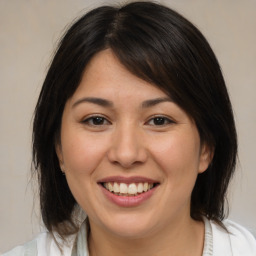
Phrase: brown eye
x=96 y=121
x=159 y=121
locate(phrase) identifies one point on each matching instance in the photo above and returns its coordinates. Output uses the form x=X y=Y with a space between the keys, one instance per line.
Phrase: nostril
x=127 y=152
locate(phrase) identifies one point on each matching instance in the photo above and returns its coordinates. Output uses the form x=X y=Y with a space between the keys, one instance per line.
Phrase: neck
x=185 y=238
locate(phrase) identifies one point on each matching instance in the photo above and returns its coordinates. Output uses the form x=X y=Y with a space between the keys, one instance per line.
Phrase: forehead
x=106 y=76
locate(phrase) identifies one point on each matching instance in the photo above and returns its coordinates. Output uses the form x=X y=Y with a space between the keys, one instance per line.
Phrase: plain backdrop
x=29 y=30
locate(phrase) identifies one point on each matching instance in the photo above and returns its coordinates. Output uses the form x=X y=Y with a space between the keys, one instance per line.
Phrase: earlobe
x=60 y=156
x=206 y=157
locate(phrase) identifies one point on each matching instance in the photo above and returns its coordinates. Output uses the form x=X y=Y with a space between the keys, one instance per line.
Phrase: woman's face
x=130 y=154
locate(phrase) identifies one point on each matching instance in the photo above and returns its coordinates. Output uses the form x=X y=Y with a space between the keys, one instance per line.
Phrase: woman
x=134 y=126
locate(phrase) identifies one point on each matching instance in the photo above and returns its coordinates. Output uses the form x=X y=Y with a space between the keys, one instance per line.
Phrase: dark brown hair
x=158 y=45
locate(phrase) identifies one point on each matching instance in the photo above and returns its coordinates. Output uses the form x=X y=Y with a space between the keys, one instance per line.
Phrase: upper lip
x=128 y=180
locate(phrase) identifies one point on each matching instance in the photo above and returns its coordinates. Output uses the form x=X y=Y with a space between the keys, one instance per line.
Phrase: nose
x=127 y=147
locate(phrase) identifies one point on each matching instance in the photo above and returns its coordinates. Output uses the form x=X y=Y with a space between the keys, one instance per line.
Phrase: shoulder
x=237 y=240
x=29 y=248
x=242 y=241
x=43 y=245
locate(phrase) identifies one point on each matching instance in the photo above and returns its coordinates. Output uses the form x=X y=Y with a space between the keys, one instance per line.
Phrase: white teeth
x=116 y=188
x=110 y=187
x=123 y=188
x=132 y=189
x=140 y=188
x=128 y=189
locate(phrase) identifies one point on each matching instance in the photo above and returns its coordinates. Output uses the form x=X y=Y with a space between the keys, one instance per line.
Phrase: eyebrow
x=97 y=101
x=106 y=103
x=153 y=102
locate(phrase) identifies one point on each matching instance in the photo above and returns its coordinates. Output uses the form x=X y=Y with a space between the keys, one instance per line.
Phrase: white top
x=236 y=242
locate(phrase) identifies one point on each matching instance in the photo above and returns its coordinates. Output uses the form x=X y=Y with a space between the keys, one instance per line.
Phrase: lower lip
x=128 y=201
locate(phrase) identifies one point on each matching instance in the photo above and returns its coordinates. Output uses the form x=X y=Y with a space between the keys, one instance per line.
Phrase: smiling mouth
x=131 y=189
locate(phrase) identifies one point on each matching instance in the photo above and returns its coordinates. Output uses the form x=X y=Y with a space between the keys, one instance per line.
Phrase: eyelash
x=95 y=118
x=162 y=121
x=166 y=120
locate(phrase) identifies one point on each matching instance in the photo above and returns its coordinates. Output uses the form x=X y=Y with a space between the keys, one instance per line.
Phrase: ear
x=206 y=156
x=59 y=154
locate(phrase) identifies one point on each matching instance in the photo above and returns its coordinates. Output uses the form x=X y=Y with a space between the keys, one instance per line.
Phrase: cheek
x=82 y=152
x=178 y=156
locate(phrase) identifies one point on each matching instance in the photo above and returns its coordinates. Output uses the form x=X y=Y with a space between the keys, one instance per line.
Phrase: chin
x=131 y=226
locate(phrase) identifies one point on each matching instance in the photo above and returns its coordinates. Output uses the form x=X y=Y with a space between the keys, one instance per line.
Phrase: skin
x=127 y=141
